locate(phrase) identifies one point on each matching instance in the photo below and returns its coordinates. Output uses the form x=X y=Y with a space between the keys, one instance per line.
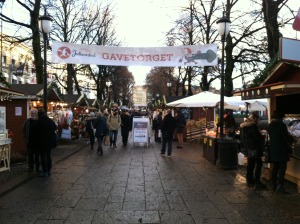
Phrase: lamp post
x=45 y=28
x=1 y=5
x=223 y=29
x=169 y=84
x=108 y=84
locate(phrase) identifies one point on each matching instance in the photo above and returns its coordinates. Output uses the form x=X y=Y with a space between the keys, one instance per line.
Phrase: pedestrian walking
x=46 y=141
x=253 y=141
x=114 y=123
x=279 y=155
x=30 y=141
x=101 y=129
x=167 y=129
x=125 y=126
x=156 y=126
x=180 y=127
x=90 y=128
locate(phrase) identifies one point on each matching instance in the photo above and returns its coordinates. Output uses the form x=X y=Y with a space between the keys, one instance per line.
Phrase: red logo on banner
x=63 y=52
x=296 y=24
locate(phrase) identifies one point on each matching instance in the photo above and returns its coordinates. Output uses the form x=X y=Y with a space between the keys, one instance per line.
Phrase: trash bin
x=227 y=153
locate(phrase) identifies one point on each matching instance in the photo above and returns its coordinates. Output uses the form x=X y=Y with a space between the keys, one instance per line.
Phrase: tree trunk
x=36 y=42
x=229 y=66
x=270 y=10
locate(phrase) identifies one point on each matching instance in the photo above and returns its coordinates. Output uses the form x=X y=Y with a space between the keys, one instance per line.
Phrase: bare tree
x=32 y=28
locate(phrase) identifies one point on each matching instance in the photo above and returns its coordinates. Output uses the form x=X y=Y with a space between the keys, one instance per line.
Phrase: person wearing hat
x=252 y=141
x=90 y=128
x=125 y=126
x=100 y=127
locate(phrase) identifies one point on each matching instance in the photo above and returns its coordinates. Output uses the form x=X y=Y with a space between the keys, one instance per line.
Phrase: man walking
x=30 y=140
x=167 y=129
x=125 y=127
x=46 y=141
x=101 y=129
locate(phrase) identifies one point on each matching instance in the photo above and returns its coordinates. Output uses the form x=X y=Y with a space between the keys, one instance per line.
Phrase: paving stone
x=137 y=185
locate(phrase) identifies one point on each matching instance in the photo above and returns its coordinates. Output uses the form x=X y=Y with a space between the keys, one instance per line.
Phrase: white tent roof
x=207 y=99
x=210 y=99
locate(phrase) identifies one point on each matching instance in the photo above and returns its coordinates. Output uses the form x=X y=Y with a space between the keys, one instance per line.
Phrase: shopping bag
x=159 y=134
x=266 y=154
x=106 y=140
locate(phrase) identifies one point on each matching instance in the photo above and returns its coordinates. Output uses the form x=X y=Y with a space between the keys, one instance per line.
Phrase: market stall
x=282 y=88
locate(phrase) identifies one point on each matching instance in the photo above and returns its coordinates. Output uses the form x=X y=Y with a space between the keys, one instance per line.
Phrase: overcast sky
x=143 y=23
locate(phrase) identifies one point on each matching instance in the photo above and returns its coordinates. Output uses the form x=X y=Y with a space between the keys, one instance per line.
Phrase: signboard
x=289 y=50
x=171 y=56
x=140 y=131
x=2 y=118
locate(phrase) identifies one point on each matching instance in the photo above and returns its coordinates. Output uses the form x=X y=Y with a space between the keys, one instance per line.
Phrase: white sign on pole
x=140 y=131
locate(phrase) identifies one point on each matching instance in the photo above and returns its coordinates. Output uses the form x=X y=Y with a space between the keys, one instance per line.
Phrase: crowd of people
x=40 y=136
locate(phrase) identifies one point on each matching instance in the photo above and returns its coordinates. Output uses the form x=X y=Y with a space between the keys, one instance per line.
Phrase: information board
x=140 y=131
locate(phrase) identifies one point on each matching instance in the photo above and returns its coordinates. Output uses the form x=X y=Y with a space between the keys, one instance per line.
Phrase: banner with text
x=191 y=55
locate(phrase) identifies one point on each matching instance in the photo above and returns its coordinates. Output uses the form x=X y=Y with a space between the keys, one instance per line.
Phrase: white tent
x=207 y=99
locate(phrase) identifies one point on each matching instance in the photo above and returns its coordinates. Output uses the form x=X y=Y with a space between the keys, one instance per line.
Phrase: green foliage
x=264 y=74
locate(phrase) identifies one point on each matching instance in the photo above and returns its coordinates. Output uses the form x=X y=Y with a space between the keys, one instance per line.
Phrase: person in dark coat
x=125 y=126
x=279 y=138
x=30 y=141
x=253 y=141
x=101 y=131
x=46 y=141
x=229 y=123
x=90 y=128
x=156 y=123
x=167 y=129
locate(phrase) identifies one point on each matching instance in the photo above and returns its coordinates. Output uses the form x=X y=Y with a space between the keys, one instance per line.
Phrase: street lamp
x=1 y=5
x=223 y=29
x=45 y=27
x=169 y=84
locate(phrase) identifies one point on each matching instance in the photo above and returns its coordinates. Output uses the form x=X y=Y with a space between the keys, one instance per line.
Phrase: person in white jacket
x=113 y=123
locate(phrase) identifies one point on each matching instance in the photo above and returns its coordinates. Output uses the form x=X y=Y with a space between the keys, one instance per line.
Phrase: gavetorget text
x=127 y=57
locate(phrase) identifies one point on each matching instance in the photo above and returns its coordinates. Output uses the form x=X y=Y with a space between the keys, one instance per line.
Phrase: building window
x=4 y=60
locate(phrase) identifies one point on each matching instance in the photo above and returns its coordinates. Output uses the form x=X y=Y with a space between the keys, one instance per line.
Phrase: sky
x=143 y=23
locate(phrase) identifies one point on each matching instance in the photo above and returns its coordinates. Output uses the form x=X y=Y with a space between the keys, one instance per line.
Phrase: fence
x=194 y=133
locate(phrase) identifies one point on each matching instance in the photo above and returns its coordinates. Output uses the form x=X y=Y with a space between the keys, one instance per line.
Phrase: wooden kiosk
x=282 y=88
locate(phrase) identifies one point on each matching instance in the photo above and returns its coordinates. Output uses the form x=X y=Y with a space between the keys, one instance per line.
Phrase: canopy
x=208 y=99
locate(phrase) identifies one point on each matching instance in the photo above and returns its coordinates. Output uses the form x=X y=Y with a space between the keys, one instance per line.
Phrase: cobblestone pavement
x=135 y=184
